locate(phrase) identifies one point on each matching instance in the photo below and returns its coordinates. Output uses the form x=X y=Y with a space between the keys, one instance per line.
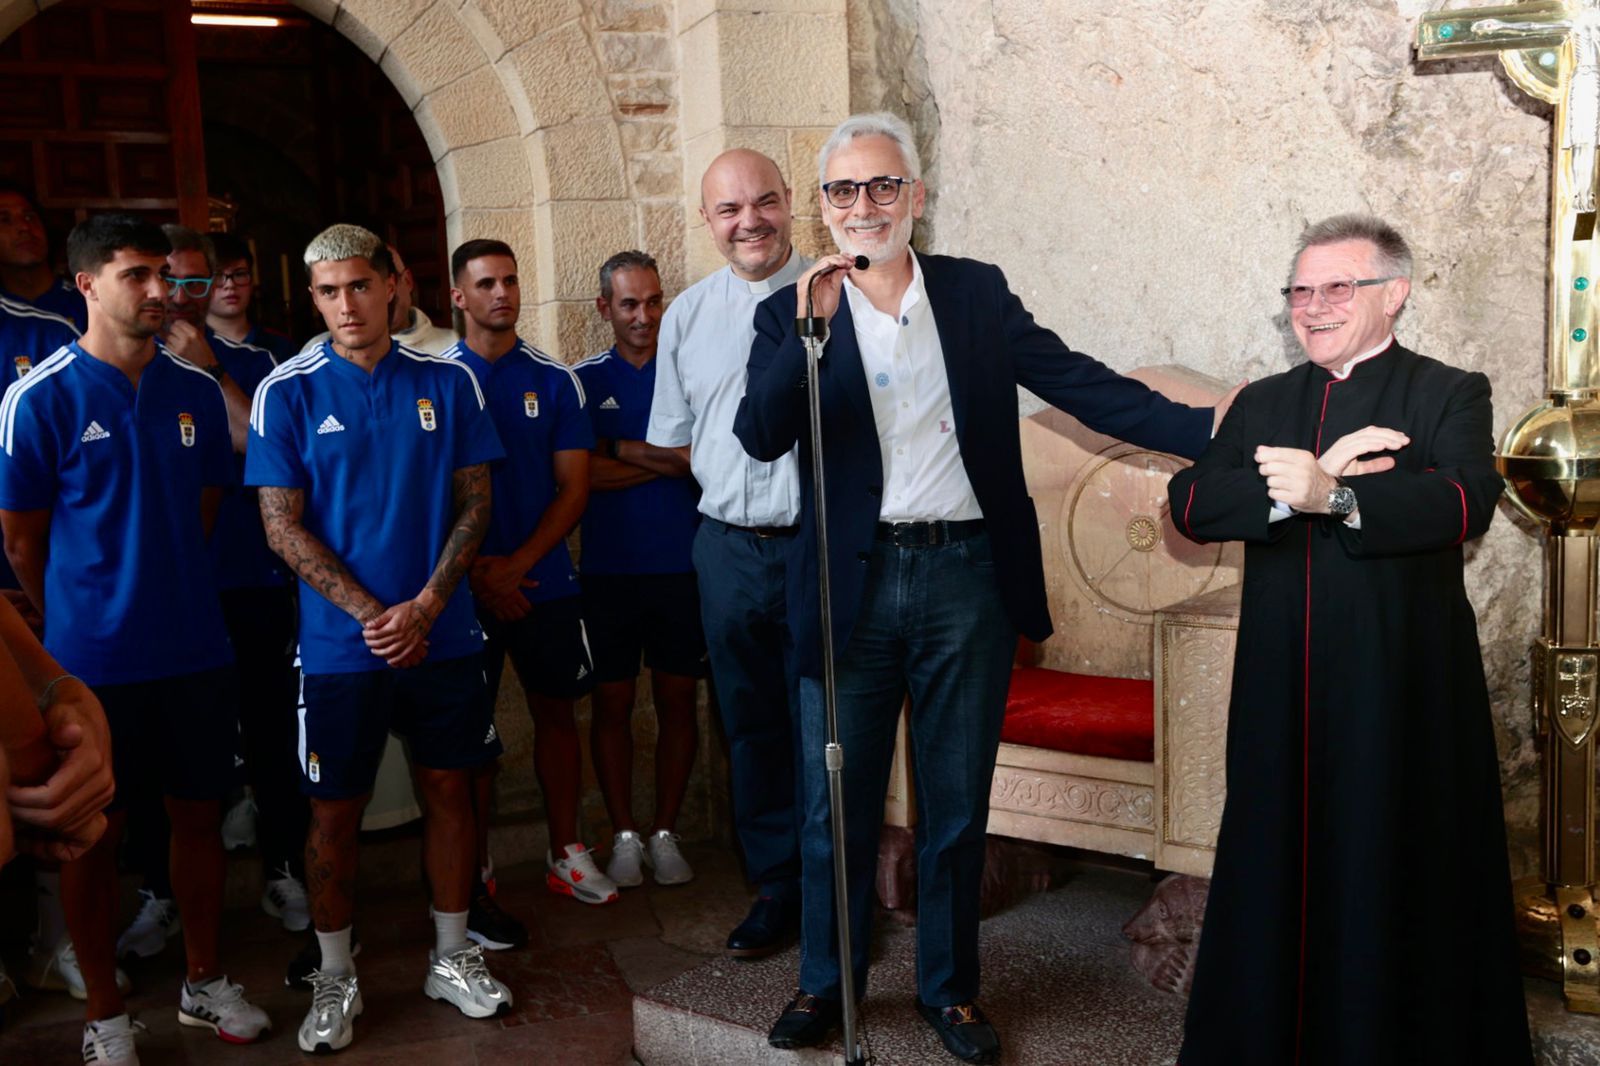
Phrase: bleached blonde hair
x=345 y=241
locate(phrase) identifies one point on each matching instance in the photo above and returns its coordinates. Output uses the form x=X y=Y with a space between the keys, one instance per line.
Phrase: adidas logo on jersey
x=329 y=425
x=583 y=672
x=95 y=432
x=489 y=737
x=610 y=404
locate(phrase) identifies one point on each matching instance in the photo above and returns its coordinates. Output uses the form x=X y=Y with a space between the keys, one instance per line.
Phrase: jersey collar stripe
x=22 y=310
x=540 y=357
x=300 y=364
x=593 y=360
x=8 y=409
x=245 y=346
x=180 y=361
x=424 y=357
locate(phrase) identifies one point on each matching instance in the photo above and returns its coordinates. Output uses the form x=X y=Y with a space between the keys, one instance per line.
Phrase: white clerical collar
x=1344 y=371
x=785 y=275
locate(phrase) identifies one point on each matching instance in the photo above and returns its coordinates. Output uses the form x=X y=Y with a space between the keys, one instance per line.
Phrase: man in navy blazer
x=933 y=549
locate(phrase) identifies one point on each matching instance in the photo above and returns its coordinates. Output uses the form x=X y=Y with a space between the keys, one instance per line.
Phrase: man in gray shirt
x=751 y=512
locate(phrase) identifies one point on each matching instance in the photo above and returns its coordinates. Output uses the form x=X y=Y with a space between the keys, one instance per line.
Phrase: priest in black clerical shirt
x=1360 y=910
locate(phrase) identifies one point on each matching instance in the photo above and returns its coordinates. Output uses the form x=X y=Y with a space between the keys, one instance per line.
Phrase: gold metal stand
x=1551 y=462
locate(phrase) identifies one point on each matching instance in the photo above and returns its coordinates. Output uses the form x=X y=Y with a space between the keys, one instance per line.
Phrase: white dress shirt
x=702 y=363
x=923 y=477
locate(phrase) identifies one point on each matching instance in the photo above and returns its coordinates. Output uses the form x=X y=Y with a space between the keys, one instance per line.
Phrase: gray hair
x=630 y=260
x=184 y=239
x=871 y=124
x=1393 y=257
x=344 y=241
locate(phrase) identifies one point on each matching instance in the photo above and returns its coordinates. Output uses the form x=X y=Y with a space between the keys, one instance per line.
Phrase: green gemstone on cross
x=1447 y=31
x=1580 y=283
x=1580 y=335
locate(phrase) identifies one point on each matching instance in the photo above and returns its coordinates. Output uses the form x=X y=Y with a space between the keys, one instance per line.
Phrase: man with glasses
x=750 y=511
x=232 y=290
x=114 y=455
x=933 y=551
x=1361 y=753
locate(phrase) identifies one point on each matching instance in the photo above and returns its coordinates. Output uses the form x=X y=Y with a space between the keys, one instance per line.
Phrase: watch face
x=1342 y=500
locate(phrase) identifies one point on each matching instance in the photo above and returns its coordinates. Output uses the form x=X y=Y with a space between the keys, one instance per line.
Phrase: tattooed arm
x=399 y=636
x=281 y=512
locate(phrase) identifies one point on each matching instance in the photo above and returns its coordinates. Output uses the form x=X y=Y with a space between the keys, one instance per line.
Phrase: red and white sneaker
x=577 y=876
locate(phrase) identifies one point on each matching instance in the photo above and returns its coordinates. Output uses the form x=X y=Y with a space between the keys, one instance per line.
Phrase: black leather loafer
x=966 y=1033
x=769 y=927
x=806 y=1022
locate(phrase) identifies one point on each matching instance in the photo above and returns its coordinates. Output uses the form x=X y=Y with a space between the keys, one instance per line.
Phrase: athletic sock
x=449 y=932
x=336 y=957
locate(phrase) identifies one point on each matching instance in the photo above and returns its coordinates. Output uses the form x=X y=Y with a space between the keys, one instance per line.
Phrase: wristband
x=44 y=700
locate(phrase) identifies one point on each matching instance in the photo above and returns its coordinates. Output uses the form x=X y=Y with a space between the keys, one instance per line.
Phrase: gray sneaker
x=109 y=1042
x=626 y=866
x=462 y=980
x=335 y=1005
x=58 y=971
x=664 y=857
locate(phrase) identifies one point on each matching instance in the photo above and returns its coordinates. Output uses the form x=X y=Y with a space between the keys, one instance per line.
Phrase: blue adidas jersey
x=28 y=336
x=537 y=405
x=62 y=299
x=643 y=529
x=239 y=545
x=375 y=454
x=128 y=595
x=281 y=347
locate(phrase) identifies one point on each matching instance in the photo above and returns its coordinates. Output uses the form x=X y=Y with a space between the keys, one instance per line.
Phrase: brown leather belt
x=764 y=532
x=928 y=534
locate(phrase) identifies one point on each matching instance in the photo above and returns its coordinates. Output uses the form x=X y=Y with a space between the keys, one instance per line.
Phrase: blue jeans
x=931 y=624
x=752 y=666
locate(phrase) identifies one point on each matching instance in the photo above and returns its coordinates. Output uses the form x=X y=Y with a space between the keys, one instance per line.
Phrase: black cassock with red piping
x=1360 y=908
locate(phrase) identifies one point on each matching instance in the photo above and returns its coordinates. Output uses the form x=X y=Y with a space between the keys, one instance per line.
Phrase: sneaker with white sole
x=463 y=980
x=109 y=1042
x=156 y=923
x=58 y=971
x=335 y=1005
x=626 y=866
x=221 y=1007
x=284 y=898
x=661 y=852
x=576 y=875
x=239 y=824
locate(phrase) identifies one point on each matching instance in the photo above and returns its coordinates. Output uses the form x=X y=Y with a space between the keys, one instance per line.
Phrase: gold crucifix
x=1551 y=50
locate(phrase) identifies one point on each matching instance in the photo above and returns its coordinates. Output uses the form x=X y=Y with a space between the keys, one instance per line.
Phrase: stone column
x=773 y=75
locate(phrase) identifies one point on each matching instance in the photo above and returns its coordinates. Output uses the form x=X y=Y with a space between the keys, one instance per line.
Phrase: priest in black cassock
x=1360 y=908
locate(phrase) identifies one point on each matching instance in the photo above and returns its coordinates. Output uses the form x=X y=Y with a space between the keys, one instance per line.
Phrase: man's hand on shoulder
x=1221 y=410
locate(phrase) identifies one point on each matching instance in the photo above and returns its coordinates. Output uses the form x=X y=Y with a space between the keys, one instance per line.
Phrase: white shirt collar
x=1344 y=371
x=915 y=293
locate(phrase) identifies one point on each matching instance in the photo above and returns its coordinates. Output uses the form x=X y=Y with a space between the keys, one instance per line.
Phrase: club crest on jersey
x=530 y=404
x=313 y=768
x=425 y=415
x=186 y=429
x=23 y=365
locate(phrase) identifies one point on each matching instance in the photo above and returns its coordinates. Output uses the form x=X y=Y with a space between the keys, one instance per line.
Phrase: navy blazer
x=991 y=345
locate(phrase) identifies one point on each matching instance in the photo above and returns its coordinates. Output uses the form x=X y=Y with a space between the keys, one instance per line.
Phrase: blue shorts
x=442 y=708
x=654 y=616
x=174 y=736
x=549 y=649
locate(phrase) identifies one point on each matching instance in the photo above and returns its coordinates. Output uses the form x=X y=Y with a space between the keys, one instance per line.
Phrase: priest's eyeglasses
x=1332 y=292
x=195 y=287
x=882 y=190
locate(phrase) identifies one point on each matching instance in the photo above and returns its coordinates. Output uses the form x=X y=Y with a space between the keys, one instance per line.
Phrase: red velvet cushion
x=1112 y=717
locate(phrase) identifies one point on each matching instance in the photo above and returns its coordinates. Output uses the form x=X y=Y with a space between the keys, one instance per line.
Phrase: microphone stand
x=813 y=332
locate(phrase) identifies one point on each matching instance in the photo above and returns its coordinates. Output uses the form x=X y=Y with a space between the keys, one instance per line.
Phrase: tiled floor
x=573 y=984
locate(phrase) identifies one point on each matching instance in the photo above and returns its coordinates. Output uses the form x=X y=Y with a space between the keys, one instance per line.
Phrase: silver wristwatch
x=1341 y=500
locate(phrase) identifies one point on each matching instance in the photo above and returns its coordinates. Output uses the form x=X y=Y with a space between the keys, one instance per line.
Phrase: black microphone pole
x=813 y=331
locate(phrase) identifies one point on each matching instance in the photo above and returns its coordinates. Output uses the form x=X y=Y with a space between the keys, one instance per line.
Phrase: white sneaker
x=110 y=1042
x=335 y=1005
x=284 y=898
x=668 y=862
x=239 y=824
x=577 y=876
x=462 y=979
x=626 y=867
x=221 y=1007
x=58 y=971
x=147 y=935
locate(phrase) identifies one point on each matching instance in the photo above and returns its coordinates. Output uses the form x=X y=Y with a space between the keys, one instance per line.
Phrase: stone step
x=1058 y=984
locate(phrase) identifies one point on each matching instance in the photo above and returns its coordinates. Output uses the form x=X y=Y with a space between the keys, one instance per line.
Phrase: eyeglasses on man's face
x=194 y=288
x=239 y=277
x=1332 y=292
x=882 y=190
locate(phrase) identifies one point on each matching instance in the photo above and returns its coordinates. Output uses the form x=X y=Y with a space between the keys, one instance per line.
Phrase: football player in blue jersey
x=25 y=270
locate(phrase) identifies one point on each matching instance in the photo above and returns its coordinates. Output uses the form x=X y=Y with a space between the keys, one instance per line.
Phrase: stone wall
x=1141 y=169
